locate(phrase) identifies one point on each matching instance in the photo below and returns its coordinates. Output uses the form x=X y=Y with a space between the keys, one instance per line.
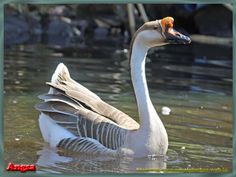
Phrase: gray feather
x=85 y=145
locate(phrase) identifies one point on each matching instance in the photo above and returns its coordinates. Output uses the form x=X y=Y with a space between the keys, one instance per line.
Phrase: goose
x=75 y=119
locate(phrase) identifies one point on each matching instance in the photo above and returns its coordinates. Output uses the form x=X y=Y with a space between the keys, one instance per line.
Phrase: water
x=194 y=81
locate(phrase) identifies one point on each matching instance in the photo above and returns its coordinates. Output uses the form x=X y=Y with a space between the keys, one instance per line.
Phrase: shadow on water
x=194 y=81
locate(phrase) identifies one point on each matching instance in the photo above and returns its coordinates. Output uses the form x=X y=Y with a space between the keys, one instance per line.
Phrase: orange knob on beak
x=167 y=22
x=172 y=36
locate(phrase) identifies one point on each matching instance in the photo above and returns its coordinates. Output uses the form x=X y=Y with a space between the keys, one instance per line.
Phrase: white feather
x=61 y=68
x=51 y=132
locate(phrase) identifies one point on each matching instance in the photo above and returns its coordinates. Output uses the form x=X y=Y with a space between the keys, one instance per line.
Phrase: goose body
x=74 y=118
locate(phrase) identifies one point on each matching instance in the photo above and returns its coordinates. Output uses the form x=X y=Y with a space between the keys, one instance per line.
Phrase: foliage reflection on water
x=195 y=82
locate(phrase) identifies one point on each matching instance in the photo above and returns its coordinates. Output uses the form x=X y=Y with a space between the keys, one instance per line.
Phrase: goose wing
x=82 y=122
x=62 y=82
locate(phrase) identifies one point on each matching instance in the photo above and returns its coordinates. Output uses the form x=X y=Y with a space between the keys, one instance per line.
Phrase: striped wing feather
x=85 y=145
x=84 y=122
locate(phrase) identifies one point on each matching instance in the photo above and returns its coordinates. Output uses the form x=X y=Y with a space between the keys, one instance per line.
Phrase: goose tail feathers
x=61 y=74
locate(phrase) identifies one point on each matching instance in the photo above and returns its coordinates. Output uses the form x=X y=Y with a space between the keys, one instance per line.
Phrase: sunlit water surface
x=194 y=81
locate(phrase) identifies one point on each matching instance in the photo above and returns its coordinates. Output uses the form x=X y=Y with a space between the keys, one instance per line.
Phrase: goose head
x=160 y=32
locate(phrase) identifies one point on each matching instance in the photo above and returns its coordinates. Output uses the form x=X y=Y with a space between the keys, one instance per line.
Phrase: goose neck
x=146 y=110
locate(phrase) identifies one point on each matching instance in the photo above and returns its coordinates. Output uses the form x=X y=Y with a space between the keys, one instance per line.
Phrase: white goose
x=76 y=119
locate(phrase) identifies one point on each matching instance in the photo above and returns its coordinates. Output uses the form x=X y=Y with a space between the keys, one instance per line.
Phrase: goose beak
x=175 y=37
x=172 y=36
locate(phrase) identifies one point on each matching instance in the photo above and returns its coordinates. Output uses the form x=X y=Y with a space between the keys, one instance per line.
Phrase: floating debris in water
x=20 y=73
x=14 y=101
x=224 y=107
x=17 y=139
x=122 y=51
x=57 y=54
x=182 y=149
x=165 y=110
x=125 y=50
x=17 y=82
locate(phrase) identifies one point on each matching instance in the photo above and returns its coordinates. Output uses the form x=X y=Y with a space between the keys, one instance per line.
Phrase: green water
x=194 y=81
